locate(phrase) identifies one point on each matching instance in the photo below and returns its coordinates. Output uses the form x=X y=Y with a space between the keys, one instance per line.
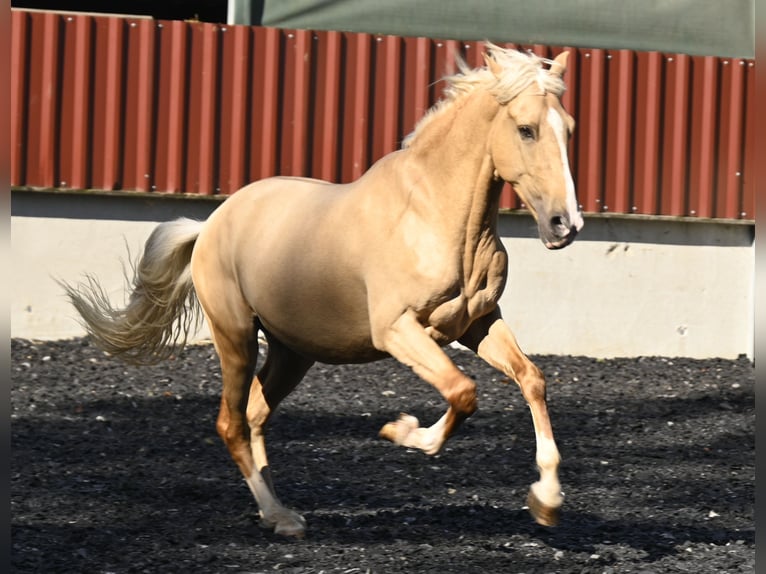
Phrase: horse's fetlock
x=463 y=398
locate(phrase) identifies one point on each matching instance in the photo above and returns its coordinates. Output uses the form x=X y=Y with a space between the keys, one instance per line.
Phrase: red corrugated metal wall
x=113 y=103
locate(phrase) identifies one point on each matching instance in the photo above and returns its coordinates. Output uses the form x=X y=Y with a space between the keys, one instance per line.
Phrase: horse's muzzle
x=562 y=241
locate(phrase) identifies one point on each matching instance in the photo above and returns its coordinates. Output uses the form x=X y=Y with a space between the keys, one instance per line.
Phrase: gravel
x=119 y=469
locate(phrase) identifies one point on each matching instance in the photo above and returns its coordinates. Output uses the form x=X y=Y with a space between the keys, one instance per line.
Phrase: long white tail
x=162 y=311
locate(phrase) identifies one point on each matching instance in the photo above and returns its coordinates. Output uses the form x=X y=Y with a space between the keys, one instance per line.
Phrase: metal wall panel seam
x=132 y=178
x=389 y=132
x=208 y=111
x=617 y=188
x=46 y=162
x=266 y=65
x=79 y=154
x=113 y=132
x=66 y=103
x=328 y=71
x=733 y=154
x=235 y=85
x=592 y=154
x=748 y=171
x=145 y=144
x=19 y=97
x=703 y=137
x=295 y=157
x=648 y=135
x=360 y=105
x=420 y=67
x=171 y=151
x=676 y=123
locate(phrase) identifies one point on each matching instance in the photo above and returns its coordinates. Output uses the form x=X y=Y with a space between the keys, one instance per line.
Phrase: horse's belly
x=324 y=319
x=324 y=339
x=329 y=345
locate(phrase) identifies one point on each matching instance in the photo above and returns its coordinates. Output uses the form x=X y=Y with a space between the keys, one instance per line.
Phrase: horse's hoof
x=543 y=514
x=397 y=431
x=288 y=523
x=290 y=530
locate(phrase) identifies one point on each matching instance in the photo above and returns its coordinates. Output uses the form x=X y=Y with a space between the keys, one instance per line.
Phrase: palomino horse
x=398 y=263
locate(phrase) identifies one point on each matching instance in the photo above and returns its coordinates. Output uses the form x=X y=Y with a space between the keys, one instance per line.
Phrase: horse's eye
x=526 y=133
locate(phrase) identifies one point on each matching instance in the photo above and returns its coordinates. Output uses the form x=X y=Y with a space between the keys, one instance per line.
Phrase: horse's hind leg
x=280 y=374
x=494 y=342
x=245 y=406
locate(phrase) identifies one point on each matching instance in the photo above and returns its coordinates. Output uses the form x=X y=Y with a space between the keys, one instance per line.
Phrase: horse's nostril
x=558 y=221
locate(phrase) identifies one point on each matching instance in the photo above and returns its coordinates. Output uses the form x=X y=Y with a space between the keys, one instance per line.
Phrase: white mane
x=520 y=70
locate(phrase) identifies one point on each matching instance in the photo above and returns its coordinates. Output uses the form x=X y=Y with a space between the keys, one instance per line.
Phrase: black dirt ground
x=119 y=469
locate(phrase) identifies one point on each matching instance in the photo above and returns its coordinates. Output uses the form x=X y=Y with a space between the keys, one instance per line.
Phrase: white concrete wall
x=628 y=294
x=626 y=287
x=54 y=248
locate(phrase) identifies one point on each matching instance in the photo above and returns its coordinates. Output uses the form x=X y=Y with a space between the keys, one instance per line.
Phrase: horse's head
x=528 y=145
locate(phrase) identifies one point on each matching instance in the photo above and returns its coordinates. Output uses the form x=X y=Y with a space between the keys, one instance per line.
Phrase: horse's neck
x=450 y=182
x=453 y=155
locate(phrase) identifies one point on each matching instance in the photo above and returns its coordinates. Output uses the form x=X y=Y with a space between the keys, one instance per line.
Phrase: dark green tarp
x=697 y=27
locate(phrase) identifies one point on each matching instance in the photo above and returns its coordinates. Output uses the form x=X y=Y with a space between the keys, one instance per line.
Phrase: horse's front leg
x=493 y=341
x=407 y=341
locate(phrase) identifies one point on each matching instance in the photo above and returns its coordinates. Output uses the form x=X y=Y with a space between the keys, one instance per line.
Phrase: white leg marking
x=407 y=432
x=548 y=489
x=267 y=504
x=273 y=514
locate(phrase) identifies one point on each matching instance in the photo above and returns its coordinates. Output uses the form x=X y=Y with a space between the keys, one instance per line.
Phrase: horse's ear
x=493 y=66
x=559 y=65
